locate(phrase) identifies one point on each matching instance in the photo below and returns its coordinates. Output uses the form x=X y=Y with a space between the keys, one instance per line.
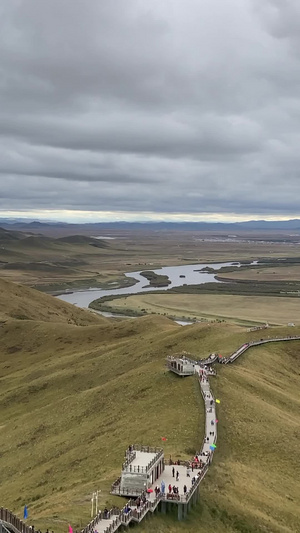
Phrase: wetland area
x=247 y=293
x=193 y=275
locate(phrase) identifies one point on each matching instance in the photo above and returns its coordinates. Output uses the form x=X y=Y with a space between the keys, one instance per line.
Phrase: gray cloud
x=186 y=107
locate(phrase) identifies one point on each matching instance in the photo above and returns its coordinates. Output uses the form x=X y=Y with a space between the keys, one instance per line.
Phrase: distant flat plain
x=59 y=261
x=282 y=273
x=237 y=308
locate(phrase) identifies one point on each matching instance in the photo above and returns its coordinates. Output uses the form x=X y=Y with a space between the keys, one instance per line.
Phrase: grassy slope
x=224 y=306
x=72 y=398
x=52 y=263
x=23 y=303
x=254 y=482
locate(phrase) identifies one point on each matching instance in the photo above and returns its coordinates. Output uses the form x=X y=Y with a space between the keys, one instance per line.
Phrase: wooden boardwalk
x=251 y=344
x=216 y=358
x=112 y=520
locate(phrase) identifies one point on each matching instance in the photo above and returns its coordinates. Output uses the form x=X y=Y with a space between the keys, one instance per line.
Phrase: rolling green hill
x=22 y=303
x=57 y=264
x=7 y=236
x=77 y=389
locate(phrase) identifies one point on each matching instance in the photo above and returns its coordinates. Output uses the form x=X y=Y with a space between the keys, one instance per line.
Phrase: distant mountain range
x=27 y=221
x=274 y=225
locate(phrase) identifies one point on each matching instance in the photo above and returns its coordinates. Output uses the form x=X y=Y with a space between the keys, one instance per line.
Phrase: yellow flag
x=218 y=401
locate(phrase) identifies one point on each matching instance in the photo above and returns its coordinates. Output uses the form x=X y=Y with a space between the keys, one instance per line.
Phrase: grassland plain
x=73 y=397
x=52 y=264
x=284 y=273
x=232 y=308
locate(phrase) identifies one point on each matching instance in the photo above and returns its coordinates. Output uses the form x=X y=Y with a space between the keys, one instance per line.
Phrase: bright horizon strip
x=79 y=216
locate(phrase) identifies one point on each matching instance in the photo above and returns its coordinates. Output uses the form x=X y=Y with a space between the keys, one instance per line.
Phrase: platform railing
x=129 y=458
x=10 y=518
x=3 y=528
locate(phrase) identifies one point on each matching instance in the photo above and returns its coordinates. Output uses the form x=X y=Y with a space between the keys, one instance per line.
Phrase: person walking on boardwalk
x=170 y=488
x=184 y=489
x=177 y=475
x=173 y=471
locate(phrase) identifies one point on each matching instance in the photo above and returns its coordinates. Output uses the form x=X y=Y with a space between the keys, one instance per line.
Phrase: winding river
x=178 y=275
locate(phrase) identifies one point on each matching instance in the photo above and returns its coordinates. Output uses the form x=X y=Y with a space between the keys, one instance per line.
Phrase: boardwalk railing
x=3 y=528
x=213 y=358
x=122 y=517
x=7 y=517
x=250 y=344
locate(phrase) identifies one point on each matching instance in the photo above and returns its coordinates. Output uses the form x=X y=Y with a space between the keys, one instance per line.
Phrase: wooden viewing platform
x=144 y=467
x=181 y=365
x=189 y=478
x=141 y=468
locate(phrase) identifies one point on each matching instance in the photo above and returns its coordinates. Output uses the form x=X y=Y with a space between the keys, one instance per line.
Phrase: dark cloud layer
x=175 y=107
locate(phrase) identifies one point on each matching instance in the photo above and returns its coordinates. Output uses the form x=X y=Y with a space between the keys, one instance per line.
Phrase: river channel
x=178 y=275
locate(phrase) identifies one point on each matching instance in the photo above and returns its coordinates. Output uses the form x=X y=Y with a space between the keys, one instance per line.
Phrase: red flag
x=164 y=438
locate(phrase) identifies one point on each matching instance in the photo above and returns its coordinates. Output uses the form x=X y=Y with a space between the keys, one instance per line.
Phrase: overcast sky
x=135 y=109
